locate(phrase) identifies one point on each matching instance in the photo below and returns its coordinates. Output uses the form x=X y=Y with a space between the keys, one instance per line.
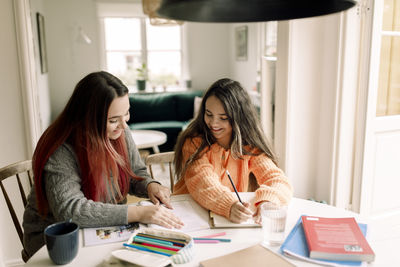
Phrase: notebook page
x=192 y=215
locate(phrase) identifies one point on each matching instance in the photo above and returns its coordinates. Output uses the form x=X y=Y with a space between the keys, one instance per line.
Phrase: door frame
x=369 y=124
x=27 y=70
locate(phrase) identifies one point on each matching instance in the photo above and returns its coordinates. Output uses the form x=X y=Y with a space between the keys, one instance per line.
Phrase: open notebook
x=218 y=221
x=192 y=214
x=196 y=217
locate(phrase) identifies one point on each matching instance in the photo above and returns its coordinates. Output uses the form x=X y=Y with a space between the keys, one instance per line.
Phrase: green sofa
x=167 y=112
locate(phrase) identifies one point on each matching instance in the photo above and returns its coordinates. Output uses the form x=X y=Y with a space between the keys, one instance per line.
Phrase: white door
x=377 y=192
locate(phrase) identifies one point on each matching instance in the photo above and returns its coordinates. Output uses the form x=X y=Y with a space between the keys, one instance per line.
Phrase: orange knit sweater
x=206 y=181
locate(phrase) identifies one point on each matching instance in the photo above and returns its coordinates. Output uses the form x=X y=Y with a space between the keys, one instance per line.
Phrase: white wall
x=313 y=64
x=212 y=54
x=245 y=71
x=12 y=141
x=208 y=46
x=69 y=60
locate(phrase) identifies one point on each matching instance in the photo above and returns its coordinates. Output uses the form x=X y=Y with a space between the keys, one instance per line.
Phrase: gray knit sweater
x=66 y=199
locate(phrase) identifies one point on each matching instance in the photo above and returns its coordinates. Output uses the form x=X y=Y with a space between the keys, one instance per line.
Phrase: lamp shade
x=150 y=7
x=249 y=10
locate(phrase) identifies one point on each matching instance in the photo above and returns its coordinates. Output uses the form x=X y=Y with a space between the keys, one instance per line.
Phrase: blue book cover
x=295 y=245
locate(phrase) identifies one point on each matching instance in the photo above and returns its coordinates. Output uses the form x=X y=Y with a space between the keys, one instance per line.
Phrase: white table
x=149 y=139
x=386 y=251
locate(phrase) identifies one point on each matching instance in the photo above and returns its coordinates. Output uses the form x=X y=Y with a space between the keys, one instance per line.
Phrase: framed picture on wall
x=241 y=43
x=42 y=42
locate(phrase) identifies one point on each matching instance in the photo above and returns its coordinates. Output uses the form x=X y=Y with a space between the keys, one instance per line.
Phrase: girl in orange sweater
x=226 y=135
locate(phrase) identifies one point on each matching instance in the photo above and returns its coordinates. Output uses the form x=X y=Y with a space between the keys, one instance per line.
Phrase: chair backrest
x=14 y=171
x=162 y=158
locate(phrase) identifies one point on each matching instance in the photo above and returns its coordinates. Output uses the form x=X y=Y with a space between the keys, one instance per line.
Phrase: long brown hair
x=83 y=125
x=246 y=128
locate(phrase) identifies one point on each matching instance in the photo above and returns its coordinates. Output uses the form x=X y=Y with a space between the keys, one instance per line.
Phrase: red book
x=338 y=239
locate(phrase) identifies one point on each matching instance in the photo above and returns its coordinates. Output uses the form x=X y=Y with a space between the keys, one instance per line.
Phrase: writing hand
x=240 y=212
x=159 y=193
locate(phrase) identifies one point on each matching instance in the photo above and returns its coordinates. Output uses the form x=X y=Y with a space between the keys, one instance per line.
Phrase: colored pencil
x=213 y=235
x=174 y=241
x=170 y=252
x=218 y=239
x=159 y=246
x=146 y=249
x=163 y=238
x=208 y=241
x=155 y=242
x=154 y=248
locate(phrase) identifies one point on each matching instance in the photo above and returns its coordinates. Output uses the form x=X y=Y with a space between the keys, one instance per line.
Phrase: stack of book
x=328 y=241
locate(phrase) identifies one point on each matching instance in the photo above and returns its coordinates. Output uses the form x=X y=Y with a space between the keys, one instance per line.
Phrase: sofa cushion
x=185 y=104
x=152 y=107
x=197 y=105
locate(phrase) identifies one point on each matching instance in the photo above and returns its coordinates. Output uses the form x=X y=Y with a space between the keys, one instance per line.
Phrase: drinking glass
x=273 y=223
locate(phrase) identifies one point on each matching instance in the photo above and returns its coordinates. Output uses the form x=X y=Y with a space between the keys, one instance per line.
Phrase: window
x=131 y=41
x=389 y=72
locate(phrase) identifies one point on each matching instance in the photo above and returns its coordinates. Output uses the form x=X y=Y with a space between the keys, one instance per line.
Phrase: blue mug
x=62 y=241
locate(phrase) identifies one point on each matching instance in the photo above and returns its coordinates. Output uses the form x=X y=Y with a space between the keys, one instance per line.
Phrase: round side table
x=149 y=139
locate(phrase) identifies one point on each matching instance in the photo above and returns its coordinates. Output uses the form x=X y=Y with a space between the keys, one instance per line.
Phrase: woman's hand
x=156 y=214
x=240 y=212
x=159 y=193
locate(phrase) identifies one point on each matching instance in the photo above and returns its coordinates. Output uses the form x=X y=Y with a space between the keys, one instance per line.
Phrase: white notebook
x=192 y=214
x=218 y=221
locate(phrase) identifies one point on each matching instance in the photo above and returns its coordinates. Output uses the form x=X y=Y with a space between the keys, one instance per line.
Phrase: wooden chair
x=162 y=158
x=15 y=170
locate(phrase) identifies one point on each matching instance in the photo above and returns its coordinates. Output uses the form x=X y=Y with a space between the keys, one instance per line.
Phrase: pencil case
x=184 y=255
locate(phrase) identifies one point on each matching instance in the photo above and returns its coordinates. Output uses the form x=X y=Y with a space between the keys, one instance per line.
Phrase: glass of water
x=273 y=223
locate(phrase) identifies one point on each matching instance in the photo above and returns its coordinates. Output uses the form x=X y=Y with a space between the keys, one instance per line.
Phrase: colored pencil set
x=166 y=246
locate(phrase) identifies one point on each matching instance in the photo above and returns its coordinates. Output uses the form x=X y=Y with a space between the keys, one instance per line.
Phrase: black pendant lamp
x=249 y=10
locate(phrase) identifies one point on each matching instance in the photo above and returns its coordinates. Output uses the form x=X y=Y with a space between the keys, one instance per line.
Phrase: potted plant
x=141 y=77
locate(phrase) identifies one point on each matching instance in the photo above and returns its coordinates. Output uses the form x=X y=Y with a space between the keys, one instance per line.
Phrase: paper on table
x=104 y=235
x=192 y=215
x=218 y=221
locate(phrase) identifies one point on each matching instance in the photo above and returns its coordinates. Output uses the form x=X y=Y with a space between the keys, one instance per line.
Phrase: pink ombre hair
x=82 y=124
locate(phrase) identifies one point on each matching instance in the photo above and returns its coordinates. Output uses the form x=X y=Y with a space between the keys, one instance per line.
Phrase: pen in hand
x=233 y=185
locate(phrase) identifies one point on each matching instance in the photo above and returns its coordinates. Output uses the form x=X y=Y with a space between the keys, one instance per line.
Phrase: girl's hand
x=257 y=214
x=159 y=193
x=156 y=214
x=240 y=212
